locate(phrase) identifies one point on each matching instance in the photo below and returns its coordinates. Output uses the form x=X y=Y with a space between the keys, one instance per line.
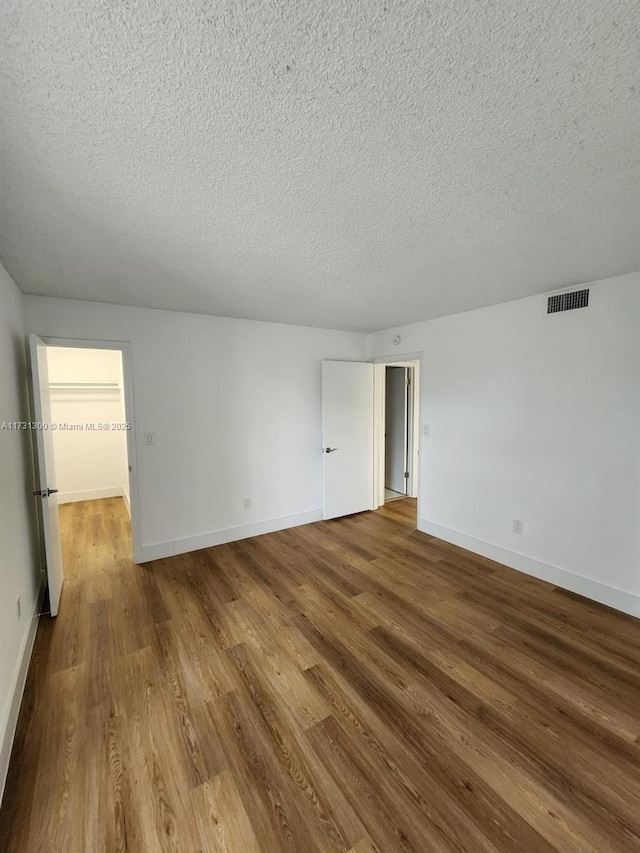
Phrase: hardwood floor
x=351 y=685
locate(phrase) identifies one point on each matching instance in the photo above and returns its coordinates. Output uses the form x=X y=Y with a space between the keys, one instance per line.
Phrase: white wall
x=89 y=463
x=536 y=417
x=235 y=407
x=19 y=563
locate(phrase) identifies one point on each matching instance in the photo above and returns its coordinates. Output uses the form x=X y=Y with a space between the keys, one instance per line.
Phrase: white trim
x=133 y=501
x=379 y=394
x=92 y=495
x=398 y=359
x=228 y=534
x=17 y=689
x=619 y=599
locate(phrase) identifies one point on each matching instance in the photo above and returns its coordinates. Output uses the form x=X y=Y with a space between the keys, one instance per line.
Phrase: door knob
x=330 y=449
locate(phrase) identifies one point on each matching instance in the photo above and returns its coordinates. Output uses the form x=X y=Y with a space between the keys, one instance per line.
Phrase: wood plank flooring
x=351 y=685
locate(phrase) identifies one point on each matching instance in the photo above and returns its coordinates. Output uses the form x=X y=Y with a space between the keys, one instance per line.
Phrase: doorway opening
x=90 y=449
x=85 y=455
x=396 y=445
x=397 y=412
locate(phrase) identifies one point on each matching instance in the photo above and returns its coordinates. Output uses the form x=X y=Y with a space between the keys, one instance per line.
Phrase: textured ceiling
x=348 y=164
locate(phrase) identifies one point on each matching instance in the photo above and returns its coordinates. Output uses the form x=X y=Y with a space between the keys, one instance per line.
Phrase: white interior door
x=347 y=437
x=46 y=470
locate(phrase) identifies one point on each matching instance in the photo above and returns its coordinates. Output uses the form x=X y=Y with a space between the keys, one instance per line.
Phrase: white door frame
x=413 y=360
x=127 y=374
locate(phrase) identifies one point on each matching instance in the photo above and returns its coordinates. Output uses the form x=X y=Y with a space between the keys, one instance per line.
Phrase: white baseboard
x=218 y=537
x=127 y=503
x=92 y=495
x=619 y=599
x=17 y=690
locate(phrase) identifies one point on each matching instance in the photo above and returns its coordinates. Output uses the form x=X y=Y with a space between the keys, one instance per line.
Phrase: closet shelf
x=86 y=386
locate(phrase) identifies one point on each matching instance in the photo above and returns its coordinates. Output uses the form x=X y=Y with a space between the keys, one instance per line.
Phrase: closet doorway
x=396 y=429
x=397 y=420
x=85 y=450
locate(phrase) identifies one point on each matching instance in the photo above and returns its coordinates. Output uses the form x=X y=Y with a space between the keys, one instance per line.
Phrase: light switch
x=149 y=438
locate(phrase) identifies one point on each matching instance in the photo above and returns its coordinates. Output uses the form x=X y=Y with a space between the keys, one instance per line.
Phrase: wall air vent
x=568 y=301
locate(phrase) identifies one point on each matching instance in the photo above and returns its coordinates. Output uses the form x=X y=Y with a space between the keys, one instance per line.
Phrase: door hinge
x=406 y=475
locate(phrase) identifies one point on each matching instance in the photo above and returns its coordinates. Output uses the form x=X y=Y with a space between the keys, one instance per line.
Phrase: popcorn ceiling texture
x=350 y=164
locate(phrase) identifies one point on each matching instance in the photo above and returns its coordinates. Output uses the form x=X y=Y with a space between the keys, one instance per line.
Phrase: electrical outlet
x=149 y=438
x=517 y=525
x=19 y=606
x=425 y=429
x=246 y=503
